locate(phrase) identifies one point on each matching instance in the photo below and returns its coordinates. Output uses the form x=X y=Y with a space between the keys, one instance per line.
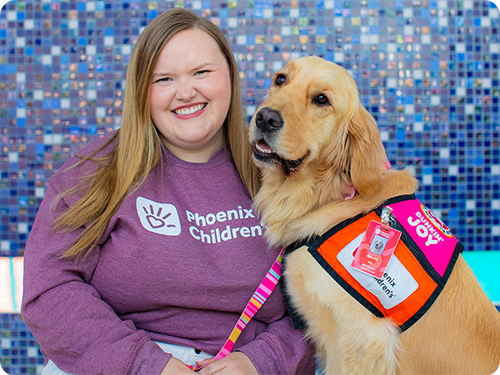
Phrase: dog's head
x=314 y=121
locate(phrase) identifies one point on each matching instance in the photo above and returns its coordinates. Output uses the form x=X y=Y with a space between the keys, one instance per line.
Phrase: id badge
x=376 y=249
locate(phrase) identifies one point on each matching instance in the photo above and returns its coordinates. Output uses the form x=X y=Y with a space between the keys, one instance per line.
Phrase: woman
x=146 y=250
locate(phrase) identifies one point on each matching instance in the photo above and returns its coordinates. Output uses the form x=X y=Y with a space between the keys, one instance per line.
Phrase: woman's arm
x=73 y=325
x=281 y=349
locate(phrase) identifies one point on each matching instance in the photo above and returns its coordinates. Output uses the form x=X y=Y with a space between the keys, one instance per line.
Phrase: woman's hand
x=175 y=366
x=235 y=363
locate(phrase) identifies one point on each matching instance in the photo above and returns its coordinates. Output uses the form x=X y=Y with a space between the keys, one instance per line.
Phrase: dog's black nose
x=268 y=120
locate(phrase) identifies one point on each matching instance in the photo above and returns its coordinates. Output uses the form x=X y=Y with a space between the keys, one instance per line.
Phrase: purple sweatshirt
x=177 y=264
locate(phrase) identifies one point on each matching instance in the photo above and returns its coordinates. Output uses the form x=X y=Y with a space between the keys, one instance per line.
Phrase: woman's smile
x=189 y=111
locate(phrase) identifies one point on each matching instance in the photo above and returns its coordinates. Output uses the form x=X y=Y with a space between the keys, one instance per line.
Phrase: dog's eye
x=321 y=100
x=280 y=79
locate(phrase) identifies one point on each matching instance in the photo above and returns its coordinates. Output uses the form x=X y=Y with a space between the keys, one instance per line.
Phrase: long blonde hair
x=138 y=145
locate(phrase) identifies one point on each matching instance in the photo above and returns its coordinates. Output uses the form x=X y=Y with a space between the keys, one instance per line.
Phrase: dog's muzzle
x=268 y=120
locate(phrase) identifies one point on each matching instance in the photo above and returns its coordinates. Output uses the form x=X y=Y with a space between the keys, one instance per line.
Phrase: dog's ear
x=366 y=153
x=355 y=154
x=332 y=173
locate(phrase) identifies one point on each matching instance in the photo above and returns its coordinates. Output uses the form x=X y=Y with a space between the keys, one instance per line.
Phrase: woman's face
x=190 y=95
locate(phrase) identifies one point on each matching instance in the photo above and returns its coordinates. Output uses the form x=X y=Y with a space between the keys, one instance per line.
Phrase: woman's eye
x=280 y=79
x=202 y=72
x=321 y=100
x=164 y=79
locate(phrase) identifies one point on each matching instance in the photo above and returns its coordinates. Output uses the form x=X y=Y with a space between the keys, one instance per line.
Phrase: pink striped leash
x=260 y=296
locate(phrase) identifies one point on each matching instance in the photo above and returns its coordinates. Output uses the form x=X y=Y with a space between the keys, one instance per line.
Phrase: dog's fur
x=333 y=146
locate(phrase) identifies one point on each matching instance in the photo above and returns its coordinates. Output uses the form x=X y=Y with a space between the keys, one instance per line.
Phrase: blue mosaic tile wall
x=427 y=71
x=19 y=350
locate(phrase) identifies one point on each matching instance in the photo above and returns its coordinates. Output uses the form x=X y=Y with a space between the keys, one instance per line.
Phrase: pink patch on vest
x=431 y=235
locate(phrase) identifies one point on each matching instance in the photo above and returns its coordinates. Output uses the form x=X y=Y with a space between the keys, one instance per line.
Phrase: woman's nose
x=186 y=90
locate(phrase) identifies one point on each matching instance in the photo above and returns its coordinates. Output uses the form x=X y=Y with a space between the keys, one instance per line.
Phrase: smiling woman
x=134 y=263
x=189 y=100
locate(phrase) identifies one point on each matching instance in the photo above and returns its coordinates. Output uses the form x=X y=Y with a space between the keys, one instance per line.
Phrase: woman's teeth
x=190 y=110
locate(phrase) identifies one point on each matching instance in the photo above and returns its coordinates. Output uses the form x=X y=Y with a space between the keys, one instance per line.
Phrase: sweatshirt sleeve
x=75 y=328
x=281 y=349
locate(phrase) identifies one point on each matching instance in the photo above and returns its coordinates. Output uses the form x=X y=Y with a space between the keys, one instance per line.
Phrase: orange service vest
x=417 y=271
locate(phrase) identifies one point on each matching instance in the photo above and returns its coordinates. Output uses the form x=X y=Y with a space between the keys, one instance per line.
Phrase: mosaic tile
x=427 y=71
x=19 y=351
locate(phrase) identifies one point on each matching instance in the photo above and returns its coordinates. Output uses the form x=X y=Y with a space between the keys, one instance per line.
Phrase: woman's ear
x=366 y=153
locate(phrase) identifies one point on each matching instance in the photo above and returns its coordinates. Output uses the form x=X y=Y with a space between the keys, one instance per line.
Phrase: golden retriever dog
x=322 y=162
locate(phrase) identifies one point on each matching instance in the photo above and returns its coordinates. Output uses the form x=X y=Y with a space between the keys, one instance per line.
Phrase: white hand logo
x=161 y=218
